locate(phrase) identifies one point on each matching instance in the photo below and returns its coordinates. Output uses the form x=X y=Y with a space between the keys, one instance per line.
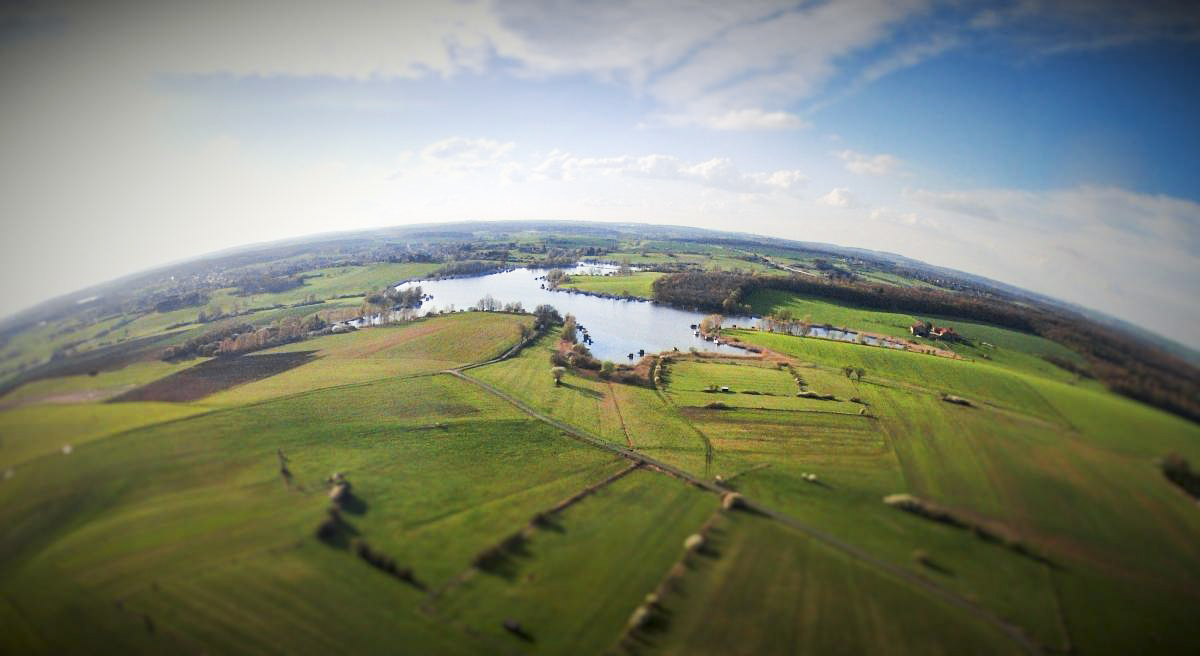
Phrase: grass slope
x=422 y=346
x=190 y=525
x=761 y=588
x=1011 y=348
x=574 y=583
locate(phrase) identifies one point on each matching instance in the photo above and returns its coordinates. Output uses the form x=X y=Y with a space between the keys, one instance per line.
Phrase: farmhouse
x=927 y=329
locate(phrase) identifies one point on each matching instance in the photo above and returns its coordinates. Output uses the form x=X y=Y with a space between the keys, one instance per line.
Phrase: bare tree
x=569 y=331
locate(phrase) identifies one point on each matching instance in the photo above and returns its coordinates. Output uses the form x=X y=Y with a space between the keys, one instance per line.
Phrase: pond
x=617 y=327
x=838 y=334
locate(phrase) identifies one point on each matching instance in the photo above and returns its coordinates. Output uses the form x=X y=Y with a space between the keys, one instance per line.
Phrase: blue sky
x=1051 y=145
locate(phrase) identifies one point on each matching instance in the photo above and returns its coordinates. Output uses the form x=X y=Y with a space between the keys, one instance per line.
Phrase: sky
x=1049 y=145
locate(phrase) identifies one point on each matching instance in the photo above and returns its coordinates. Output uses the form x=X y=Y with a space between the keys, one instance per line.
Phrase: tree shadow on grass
x=335 y=532
x=352 y=504
x=549 y=522
x=590 y=393
x=503 y=560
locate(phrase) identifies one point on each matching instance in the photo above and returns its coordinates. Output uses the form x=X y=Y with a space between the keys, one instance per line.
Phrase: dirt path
x=612 y=394
x=946 y=595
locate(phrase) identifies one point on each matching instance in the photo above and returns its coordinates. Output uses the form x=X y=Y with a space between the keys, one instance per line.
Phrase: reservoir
x=617 y=327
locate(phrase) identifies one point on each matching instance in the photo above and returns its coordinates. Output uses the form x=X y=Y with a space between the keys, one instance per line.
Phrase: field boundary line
x=612 y=394
x=950 y=597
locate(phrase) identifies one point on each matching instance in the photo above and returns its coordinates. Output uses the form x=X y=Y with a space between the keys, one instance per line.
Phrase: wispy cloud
x=463 y=154
x=742 y=119
x=839 y=197
x=717 y=173
x=863 y=164
x=1132 y=254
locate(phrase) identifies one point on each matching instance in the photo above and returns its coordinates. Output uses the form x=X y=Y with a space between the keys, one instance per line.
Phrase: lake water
x=616 y=327
x=823 y=332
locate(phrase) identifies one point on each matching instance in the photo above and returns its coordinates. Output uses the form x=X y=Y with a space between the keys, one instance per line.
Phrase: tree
x=849 y=371
x=858 y=373
x=569 y=331
x=711 y=324
x=545 y=316
x=606 y=369
x=557 y=372
x=625 y=269
x=487 y=304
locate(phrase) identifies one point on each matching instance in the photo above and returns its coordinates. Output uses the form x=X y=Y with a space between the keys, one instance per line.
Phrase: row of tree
x=233 y=338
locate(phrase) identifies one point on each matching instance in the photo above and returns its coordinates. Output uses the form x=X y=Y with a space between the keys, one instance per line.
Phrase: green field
x=764 y=589
x=638 y=284
x=1007 y=347
x=171 y=527
x=423 y=346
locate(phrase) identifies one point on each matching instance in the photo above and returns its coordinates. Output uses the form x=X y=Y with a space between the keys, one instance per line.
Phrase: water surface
x=617 y=327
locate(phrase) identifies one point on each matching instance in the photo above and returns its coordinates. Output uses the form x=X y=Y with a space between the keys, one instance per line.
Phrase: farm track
x=948 y=596
x=617 y=406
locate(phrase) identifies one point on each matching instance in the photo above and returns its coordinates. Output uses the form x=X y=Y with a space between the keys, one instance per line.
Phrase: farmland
x=192 y=505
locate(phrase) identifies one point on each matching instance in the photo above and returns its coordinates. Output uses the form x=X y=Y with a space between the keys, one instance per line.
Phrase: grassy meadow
x=639 y=284
x=192 y=526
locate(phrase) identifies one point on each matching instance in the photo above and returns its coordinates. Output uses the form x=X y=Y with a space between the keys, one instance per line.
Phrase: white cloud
x=839 y=197
x=1129 y=254
x=462 y=154
x=717 y=173
x=863 y=164
x=958 y=202
x=742 y=119
x=894 y=216
x=909 y=55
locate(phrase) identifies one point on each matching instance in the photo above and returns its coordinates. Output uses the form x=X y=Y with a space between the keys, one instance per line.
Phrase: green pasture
x=762 y=588
x=170 y=527
x=640 y=284
x=403 y=349
x=1009 y=348
x=89 y=388
x=628 y=534
x=191 y=525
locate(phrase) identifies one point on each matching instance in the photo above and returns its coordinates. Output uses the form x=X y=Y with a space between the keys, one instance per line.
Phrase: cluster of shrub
x=1125 y=364
x=467 y=268
x=233 y=339
x=579 y=357
x=1177 y=470
x=180 y=301
x=390 y=297
x=261 y=282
